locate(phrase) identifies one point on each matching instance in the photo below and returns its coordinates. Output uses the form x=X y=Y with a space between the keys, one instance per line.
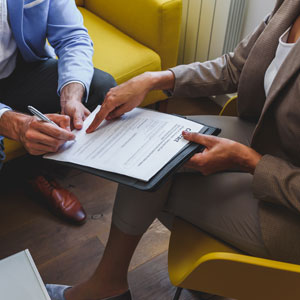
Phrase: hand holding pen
x=43 y=133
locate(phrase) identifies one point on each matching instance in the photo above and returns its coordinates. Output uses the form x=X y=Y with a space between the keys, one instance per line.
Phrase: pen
x=41 y=116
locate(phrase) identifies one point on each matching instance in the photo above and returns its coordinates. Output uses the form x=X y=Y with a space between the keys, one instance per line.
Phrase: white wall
x=256 y=10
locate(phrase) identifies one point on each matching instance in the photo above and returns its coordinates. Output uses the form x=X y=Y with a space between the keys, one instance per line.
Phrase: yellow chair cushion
x=154 y=23
x=13 y=149
x=134 y=58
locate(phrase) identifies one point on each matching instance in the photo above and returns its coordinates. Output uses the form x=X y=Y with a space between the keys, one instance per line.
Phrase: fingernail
x=185 y=132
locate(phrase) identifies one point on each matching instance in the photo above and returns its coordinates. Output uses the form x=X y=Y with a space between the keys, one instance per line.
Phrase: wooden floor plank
x=151 y=281
x=47 y=238
x=26 y=223
x=95 y=193
x=154 y=242
x=74 y=265
x=18 y=209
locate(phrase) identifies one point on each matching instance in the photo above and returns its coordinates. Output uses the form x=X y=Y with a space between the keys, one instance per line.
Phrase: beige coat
x=276 y=181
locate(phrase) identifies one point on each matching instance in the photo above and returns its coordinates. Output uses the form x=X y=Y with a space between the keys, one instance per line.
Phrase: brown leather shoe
x=61 y=201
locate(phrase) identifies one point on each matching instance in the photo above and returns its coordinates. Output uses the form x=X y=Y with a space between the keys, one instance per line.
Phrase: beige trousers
x=221 y=204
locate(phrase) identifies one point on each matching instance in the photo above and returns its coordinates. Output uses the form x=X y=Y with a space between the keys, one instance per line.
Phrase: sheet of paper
x=138 y=144
x=19 y=279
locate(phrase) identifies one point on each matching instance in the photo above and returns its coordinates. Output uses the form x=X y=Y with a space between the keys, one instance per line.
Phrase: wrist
x=11 y=124
x=248 y=159
x=162 y=80
x=72 y=92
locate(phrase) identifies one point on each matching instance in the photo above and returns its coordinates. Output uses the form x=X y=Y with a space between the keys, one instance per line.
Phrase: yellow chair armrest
x=244 y=277
x=230 y=107
x=198 y=261
x=153 y=23
x=186 y=236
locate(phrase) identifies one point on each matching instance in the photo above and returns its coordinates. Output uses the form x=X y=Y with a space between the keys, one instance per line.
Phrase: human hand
x=121 y=99
x=221 y=154
x=40 y=137
x=71 y=105
x=76 y=111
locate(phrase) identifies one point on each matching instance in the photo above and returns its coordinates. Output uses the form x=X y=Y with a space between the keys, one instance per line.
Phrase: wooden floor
x=68 y=254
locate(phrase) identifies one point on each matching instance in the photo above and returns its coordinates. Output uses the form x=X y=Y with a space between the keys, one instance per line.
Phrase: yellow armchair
x=199 y=262
x=130 y=37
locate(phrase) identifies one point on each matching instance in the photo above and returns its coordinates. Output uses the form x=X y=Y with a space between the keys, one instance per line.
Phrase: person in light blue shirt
x=32 y=34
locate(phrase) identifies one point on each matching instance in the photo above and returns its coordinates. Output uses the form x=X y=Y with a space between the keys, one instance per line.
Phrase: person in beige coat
x=251 y=196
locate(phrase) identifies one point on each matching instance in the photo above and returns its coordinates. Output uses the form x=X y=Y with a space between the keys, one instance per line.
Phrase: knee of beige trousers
x=135 y=210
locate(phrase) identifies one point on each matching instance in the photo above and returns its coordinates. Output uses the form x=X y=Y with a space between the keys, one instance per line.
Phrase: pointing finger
x=100 y=116
x=119 y=111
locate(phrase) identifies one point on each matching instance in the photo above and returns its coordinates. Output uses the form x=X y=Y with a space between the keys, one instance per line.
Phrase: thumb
x=203 y=139
x=77 y=120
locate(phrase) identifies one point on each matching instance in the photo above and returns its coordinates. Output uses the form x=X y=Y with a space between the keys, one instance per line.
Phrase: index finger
x=100 y=116
x=54 y=131
x=63 y=121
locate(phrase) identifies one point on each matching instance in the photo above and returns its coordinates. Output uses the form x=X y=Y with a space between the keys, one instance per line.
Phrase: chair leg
x=177 y=294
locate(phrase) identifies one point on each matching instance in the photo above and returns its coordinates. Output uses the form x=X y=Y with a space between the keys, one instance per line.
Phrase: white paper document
x=20 y=279
x=138 y=144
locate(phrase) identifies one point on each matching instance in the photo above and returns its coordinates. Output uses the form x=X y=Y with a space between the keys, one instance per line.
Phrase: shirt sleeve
x=3 y=109
x=215 y=77
x=277 y=181
x=72 y=44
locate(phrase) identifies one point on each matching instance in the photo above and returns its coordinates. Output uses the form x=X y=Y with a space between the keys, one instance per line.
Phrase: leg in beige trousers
x=221 y=204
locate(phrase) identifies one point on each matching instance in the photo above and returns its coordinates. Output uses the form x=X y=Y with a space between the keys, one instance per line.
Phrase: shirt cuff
x=170 y=93
x=3 y=110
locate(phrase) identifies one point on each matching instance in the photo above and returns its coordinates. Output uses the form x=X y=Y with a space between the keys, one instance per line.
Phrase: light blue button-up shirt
x=8 y=46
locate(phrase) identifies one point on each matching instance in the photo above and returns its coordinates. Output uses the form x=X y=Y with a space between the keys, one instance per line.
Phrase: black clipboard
x=161 y=176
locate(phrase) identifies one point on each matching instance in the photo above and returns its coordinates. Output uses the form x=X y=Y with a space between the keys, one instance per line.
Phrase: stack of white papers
x=138 y=144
